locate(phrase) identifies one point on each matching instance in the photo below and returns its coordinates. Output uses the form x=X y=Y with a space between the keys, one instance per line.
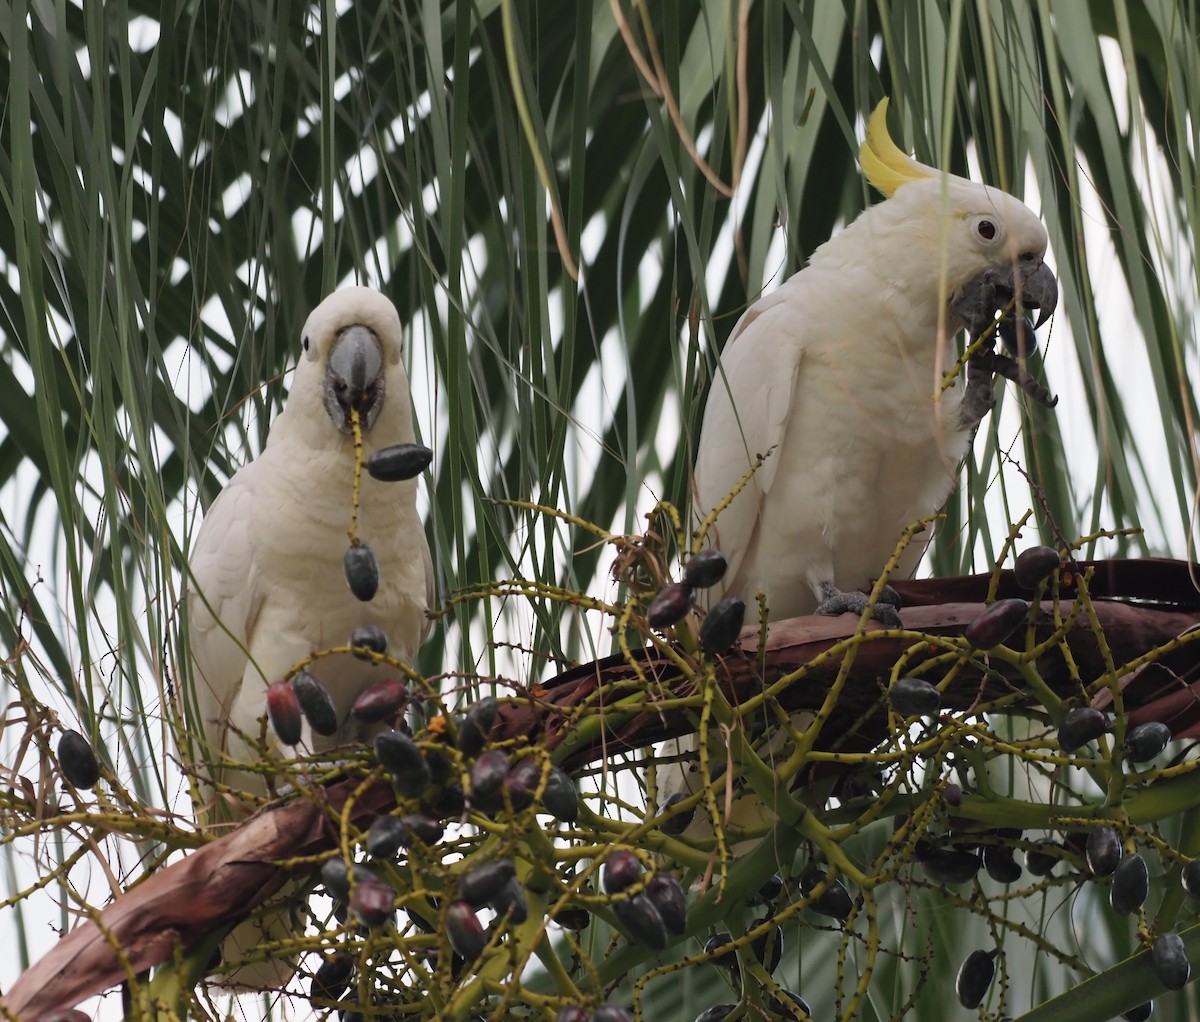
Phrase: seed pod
x=667 y=895
x=834 y=901
x=510 y=901
x=1140 y=1013
x=771 y=889
x=420 y=827
x=948 y=865
x=670 y=605
x=621 y=869
x=522 y=781
x=373 y=901
x=1168 y=956
x=1103 y=851
x=722 y=625
x=465 y=931
x=705 y=569
x=447 y=802
x=1190 y=878
x=560 y=799
x=399 y=462
x=1131 y=885
x=475 y=726
x=1039 y=861
x=571 y=1013
x=362 y=571
x=1035 y=564
x=1080 y=725
x=332 y=978
x=642 y=921
x=483 y=883
x=380 y=701
x=677 y=824
x=1016 y=334
x=996 y=623
x=1146 y=741
x=78 y=762
x=952 y=795
x=402 y=758
x=1000 y=864
x=791 y=1006
x=611 y=1013
x=487 y=778
x=716 y=1013
x=336 y=877
x=385 y=837
x=315 y=703
x=974 y=977
x=713 y=946
x=914 y=697
x=283 y=710
x=768 y=948
x=572 y=918
x=368 y=639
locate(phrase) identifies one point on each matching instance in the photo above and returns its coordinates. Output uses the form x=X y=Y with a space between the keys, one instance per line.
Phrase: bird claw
x=836 y=601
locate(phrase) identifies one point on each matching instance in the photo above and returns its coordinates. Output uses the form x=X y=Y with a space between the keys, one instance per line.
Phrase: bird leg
x=836 y=601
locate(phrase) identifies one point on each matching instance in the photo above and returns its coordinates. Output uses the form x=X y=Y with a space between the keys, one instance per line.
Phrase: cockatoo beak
x=354 y=380
x=1029 y=281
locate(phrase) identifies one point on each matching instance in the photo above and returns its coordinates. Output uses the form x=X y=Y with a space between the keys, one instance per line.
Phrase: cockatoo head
x=351 y=344
x=991 y=246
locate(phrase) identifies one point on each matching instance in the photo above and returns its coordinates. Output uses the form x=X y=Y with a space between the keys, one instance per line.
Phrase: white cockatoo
x=837 y=379
x=266 y=583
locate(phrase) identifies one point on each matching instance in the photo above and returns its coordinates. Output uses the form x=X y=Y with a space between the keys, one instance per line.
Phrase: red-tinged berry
x=465 y=931
x=372 y=901
x=621 y=869
x=283 y=710
x=670 y=605
x=483 y=883
x=996 y=623
x=381 y=701
x=666 y=894
x=1080 y=725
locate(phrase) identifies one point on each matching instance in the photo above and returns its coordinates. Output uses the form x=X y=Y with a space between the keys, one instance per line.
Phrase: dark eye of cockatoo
x=986 y=229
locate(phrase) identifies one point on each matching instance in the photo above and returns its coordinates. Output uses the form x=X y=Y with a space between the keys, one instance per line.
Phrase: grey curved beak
x=354 y=379
x=1038 y=290
x=1031 y=283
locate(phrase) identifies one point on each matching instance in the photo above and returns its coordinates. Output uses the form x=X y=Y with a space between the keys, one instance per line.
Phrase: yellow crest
x=886 y=165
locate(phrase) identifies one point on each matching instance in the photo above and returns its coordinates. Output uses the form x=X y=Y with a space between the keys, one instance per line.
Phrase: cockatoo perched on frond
x=267 y=586
x=836 y=378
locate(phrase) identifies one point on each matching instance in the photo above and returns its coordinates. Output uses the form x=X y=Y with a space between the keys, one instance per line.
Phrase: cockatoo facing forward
x=836 y=378
x=267 y=586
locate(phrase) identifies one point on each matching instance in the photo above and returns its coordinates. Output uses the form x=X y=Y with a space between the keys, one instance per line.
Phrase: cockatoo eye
x=304 y=343
x=986 y=229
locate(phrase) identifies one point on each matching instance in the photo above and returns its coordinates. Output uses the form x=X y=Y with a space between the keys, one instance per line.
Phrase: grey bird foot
x=835 y=601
